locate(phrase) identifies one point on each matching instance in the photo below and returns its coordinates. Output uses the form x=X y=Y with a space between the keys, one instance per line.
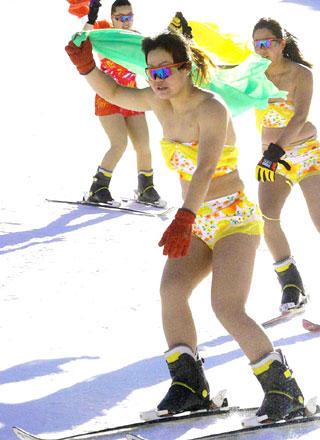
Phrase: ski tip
x=22 y=434
x=310 y=326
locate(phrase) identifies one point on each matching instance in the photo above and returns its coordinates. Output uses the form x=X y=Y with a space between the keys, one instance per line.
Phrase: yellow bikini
x=276 y=115
x=223 y=216
x=303 y=156
x=183 y=158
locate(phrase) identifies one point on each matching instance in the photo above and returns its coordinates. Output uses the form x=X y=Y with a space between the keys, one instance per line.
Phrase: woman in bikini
x=217 y=230
x=291 y=150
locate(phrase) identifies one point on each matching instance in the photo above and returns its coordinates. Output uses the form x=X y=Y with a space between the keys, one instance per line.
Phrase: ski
x=187 y=416
x=159 y=204
x=310 y=326
x=249 y=430
x=106 y=206
x=284 y=317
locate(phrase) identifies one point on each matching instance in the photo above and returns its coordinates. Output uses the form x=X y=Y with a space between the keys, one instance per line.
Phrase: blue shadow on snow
x=51 y=232
x=83 y=401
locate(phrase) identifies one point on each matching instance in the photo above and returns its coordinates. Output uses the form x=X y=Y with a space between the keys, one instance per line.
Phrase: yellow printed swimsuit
x=223 y=216
x=304 y=160
x=276 y=115
x=227 y=215
x=183 y=158
x=303 y=157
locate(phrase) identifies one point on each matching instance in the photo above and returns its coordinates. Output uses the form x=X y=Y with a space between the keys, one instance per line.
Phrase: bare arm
x=213 y=130
x=302 y=101
x=126 y=97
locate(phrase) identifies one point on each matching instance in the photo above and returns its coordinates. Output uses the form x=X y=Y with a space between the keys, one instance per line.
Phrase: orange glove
x=177 y=237
x=81 y=56
x=80 y=8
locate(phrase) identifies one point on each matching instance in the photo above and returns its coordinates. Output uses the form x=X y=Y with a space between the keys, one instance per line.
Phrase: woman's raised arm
x=105 y=86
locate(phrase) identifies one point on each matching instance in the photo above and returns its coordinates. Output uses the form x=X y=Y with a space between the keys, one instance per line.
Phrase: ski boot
x=99 y=191
x=283 y=398
x=293 y=293
x=189 y=389
x=146 y=192
x=179 y=24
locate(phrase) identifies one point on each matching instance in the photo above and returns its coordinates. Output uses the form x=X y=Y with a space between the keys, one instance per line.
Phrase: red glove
x=177 y=237
x=81 y=56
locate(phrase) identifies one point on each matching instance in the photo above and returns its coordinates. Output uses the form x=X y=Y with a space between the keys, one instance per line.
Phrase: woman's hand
x=82 y=56
x=177 y=237
x=266 y=168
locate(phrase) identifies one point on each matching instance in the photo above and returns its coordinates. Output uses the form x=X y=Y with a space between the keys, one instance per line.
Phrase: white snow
x=80 y=327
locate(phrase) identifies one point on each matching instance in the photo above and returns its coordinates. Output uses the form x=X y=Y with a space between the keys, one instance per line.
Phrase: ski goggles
x=123 y=18
x=163 y=72
x=267 y=43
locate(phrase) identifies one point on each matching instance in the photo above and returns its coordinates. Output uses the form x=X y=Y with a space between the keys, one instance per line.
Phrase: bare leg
x=139 y=135
x=272 y=196
x=180 y=277
x=116 y=130
x=310 y=187
x=233 y=262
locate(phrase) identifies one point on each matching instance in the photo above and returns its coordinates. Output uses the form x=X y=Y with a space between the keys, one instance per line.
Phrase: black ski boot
x=283 y=398
x=293 y=293
x=146 y=192
x=189 y=389
x=179 y=24
x=99 y=191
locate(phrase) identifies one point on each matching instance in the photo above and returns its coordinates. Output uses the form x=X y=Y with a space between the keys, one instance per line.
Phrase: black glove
x=93 y=11
x=266 y=168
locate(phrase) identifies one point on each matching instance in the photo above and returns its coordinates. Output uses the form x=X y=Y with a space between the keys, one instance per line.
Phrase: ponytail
x=292 y=51
x=203 y=65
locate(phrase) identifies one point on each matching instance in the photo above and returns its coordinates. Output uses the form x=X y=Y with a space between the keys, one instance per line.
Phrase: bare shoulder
x=301 y=72
x=212 y=105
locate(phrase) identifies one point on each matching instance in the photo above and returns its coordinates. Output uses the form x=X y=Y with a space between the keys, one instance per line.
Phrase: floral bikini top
x=119 y=73
x=182 y=157
x=276 y=115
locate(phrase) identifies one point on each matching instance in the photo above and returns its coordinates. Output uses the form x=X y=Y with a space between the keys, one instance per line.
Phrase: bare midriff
x=219 y=186
x=271 y=135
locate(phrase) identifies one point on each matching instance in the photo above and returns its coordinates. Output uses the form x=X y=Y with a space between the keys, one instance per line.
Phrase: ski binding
x=219 y=403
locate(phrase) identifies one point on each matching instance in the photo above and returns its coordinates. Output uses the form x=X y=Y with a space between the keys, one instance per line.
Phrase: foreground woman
x=217 y=230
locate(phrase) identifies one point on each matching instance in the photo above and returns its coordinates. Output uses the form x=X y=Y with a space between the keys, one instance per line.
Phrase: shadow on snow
x=60 y=411
x=51 y=232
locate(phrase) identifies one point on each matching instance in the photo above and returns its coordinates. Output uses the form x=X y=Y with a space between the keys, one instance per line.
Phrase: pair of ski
x=130 y=206
x=223 y=411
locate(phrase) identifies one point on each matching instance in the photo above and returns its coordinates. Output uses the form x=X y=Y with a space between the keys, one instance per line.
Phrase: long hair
x=118 y=3
x=291 y=49
x=181 y=50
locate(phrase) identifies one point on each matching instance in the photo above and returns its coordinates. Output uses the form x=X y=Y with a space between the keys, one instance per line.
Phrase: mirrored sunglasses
x=267 y=43
x=123 y=18
x=163 y=72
